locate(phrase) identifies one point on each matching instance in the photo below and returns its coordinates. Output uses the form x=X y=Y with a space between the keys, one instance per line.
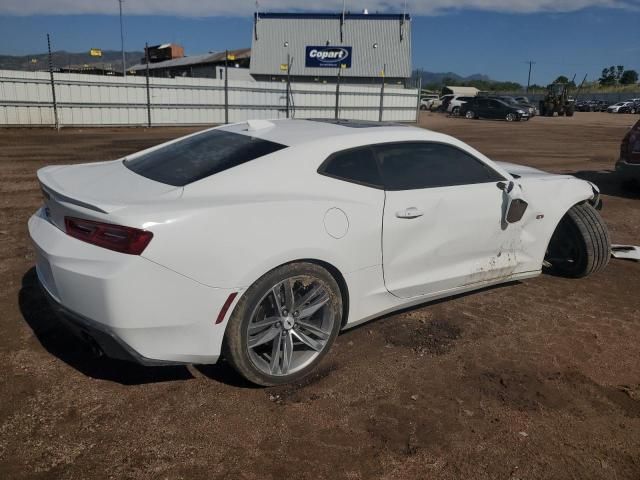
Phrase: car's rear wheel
x=580 y=245
x=510 y=117
x=470 y=114
x=455 y=111
x=284 y=324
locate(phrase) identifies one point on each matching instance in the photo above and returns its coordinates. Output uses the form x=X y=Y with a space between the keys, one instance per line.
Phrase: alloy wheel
x=290 y=326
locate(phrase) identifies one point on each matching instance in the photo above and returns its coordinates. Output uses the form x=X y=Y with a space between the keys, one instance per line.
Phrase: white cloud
x=199 y=8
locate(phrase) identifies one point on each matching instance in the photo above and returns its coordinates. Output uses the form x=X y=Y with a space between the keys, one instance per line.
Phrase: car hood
x=528 y=172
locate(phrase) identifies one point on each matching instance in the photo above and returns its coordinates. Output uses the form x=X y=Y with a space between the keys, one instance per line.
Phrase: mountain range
x=113 y=57
x=64 y=59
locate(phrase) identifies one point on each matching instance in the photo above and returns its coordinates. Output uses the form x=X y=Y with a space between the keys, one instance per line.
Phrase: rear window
x=200 y=156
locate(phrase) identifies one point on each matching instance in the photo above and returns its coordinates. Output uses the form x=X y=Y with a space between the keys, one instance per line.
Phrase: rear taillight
x=106 y=235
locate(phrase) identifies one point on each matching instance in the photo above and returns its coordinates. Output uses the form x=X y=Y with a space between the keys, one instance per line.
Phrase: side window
x=357 y=165
x=407 y=166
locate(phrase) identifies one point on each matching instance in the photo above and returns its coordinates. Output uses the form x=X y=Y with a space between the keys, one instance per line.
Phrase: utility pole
x=531 y=63
x=124 y=63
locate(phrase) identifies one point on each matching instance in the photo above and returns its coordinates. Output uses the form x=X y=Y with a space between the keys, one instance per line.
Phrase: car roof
x=294 y=132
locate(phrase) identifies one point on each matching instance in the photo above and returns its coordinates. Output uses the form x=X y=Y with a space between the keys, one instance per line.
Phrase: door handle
x=411 y=212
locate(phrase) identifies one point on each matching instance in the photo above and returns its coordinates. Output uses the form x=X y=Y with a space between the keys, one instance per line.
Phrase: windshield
x=200 y=156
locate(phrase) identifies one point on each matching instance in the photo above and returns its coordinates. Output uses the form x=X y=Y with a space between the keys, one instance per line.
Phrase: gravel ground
x=539 y=379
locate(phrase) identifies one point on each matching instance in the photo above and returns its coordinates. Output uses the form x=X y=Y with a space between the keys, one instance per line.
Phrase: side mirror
x=515 y=204
x=515 y=210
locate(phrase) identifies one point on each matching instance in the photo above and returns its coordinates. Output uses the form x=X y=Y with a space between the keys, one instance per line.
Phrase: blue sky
x=465 y=41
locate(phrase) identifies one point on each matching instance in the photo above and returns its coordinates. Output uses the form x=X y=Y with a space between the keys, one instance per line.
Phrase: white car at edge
x=260 y=240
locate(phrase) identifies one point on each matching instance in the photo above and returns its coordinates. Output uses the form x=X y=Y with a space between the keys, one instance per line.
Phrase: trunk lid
x=95 y=190
x=104 y=186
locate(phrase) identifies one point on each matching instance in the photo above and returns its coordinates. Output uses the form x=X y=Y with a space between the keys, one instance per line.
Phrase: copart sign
x=326 y=56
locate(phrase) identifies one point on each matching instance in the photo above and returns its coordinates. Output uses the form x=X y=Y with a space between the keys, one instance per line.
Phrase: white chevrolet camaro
x=260 y=241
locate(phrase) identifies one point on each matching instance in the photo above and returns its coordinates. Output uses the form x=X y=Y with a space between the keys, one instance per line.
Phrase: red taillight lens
x=114 y=237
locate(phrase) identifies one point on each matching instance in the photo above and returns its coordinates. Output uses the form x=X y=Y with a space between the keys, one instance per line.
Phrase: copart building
x=360 y=48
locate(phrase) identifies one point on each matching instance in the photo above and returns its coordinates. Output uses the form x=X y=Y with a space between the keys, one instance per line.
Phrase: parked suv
x=485 y=107
x=427 y=101
x=444 y=102
x=628 y=166
x=455 y=103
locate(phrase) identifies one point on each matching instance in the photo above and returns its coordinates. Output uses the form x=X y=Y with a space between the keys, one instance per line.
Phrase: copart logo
x=328 y=57
x=329 y=54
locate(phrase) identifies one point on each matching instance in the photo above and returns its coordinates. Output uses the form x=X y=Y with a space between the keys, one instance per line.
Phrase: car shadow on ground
x=609 y=183
x=63 y=344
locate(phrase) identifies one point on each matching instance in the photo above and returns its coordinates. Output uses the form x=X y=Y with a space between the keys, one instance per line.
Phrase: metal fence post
x=53 y=86
x=288 y=89
x=146 y=55
x=337 y=112
x=226 y=86
x=382 y=94
x=419 y=95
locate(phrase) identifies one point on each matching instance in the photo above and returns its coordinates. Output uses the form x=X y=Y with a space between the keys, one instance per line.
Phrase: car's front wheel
x=469 y=114
x=284 y=324
x=580 y=245
x=510 y=117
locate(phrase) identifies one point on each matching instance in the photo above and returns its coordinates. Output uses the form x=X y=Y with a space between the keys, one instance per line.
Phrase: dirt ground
x=533 y=380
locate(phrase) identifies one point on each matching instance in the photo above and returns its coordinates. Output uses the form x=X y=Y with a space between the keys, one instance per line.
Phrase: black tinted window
x=200 y=156
x=407 y=166
x=357 y=165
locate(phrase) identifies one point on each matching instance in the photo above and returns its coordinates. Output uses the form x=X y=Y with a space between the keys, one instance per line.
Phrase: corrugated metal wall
x=86 y=100
x=392 y=37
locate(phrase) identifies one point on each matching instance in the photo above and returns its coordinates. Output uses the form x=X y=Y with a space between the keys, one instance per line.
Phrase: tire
x=510 y=117
x=423 y=107
x=580 y=245
x=455 y=111
x=469 y=114
x=287 y=337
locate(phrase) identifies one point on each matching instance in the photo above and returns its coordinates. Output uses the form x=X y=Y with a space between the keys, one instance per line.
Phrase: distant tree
x=619 y=72
x=629 y=77
x=608 y=77
x=561 y=79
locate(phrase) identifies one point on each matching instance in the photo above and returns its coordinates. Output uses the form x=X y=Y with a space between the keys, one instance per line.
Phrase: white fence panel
x=85 y=100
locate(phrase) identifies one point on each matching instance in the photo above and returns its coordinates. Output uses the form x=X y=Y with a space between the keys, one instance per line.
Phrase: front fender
x=549 y=200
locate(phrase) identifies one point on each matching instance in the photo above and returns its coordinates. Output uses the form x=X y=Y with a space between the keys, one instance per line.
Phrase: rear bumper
x=98 y=336
x=628 y=171
x=133 y=308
